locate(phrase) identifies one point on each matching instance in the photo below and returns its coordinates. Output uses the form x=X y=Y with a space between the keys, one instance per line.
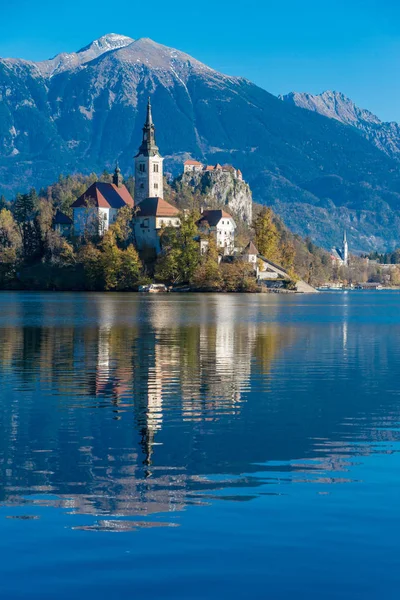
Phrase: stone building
x=148 y=164
x=97 y=208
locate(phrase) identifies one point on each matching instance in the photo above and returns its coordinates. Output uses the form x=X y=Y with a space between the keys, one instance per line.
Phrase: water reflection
x=121 y=406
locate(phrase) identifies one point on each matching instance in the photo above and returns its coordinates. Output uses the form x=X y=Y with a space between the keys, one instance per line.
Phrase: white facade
x=148 y=177
x=148 y=229
x=192 y=167
x=225 y=233
x=148 y=164
x=93 y=220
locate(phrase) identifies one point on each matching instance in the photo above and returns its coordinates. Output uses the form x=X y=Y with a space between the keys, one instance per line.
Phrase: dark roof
x=156 y=207
x=105 y=195
x=213 y=217
x=250 y=249
x=61 y=219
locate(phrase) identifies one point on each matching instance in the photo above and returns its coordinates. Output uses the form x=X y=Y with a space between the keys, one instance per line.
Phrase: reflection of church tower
x=147 y=393
x=345 y=250
x=148 y=164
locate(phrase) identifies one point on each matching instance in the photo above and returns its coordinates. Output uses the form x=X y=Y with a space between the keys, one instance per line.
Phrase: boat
x=153 y=288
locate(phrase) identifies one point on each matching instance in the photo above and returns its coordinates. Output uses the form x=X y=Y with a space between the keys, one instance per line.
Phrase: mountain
x=81 y=112
x=335 y=105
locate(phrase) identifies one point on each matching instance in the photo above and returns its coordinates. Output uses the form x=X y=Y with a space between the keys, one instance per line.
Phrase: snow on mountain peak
x=70 y=61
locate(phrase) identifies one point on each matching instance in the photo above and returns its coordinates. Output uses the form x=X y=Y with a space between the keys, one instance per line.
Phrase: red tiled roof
x=195 y=163
x=213 y=217
x=156 y=207
x=105 y=195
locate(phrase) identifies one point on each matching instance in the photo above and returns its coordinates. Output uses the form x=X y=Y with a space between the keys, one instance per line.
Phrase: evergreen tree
x=25 y=216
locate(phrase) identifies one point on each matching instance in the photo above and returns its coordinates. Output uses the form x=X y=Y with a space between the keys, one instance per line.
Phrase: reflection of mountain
x=124 y=405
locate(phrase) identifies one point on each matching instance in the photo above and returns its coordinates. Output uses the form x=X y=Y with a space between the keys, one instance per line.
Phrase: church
x=153 y=212
x=341 y=255
x=97 y=209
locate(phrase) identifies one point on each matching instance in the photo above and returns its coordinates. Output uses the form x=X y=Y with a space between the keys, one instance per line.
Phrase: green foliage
x=130 y=269
x=180 y=256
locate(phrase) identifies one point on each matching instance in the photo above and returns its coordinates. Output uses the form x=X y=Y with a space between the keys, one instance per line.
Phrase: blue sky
x=351 y=46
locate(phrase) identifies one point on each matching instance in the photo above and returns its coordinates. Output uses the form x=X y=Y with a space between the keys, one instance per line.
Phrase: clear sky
x=351 y=46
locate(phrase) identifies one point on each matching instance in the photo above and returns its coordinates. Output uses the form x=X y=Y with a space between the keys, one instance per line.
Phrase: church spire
x=148 y=164
x=149 y=146
x=345 y=250
x=117 y=176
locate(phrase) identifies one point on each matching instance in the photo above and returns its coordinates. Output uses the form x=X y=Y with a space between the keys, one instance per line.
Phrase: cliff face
x=221 y=189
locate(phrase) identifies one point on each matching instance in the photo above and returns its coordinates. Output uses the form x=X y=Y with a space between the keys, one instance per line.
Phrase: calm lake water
x=199 y=446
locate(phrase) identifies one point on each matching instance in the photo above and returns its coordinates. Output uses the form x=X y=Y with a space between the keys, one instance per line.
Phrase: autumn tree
x=267 y=235
x=131 y=267
x=208 y=274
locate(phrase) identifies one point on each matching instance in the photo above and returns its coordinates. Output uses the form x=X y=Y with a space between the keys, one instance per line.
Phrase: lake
x=199 y=446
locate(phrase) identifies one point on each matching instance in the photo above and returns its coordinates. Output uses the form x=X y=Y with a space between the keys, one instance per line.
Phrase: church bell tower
x=148 y=164
x=345 y=250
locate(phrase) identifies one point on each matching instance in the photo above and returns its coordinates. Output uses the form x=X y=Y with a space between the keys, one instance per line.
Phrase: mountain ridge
x=86 y=116
x=336 y=105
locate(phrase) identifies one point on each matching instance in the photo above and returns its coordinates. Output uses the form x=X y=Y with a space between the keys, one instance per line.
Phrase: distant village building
x=194 y=166
x=341 y=255
x=148 y=164
x=96 y=209
x=153 y=215
x=222 y=225
x=62 y=223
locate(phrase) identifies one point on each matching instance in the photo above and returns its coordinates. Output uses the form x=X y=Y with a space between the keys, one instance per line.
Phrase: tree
x=58 y=250
x=10 y=246
x=25 y=216
x=130 y=269
x=123 y=227
x=208 y=274
x=91 y=260
x=180 y=257
x=9 y=234
x=111 y=261
x=267 y=235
